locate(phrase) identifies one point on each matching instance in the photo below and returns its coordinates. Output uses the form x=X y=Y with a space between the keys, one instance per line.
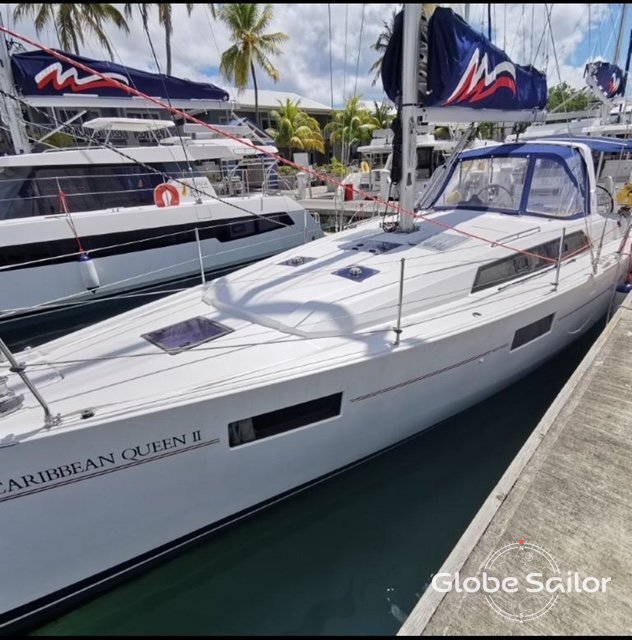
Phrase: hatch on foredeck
x=186 y=334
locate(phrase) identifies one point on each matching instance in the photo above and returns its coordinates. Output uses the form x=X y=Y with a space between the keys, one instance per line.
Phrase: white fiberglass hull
x=137 y=248
x=83 y=505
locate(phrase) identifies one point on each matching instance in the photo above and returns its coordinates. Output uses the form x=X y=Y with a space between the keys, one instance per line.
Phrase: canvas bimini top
x=597 y=144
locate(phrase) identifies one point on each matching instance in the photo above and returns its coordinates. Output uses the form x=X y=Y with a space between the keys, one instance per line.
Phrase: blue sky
x=305 y=63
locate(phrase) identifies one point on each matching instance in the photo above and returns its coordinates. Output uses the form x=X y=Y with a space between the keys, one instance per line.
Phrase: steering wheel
x=609 y=200
x=495 y=186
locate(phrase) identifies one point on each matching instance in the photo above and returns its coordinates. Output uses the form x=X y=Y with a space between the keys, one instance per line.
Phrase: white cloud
x=305 y=63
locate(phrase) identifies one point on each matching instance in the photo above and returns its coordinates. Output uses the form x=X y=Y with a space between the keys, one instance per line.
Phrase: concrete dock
x=558 y=525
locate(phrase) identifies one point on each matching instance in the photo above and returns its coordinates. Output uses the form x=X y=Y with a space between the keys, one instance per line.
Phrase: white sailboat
x=139 y=435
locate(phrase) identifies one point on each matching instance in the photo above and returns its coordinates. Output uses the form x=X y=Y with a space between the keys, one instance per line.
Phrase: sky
x=329 y=45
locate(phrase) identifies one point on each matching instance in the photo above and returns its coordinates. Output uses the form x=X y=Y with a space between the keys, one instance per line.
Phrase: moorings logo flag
x=521 y=582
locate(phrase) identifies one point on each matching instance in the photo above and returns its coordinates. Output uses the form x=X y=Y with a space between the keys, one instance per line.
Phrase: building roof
x=270 y=99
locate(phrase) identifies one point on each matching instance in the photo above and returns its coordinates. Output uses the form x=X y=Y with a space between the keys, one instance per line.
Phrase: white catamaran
x=81 y=223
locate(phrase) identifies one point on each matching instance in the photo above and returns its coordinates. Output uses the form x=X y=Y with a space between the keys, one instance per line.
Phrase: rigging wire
x=181 y=168
x=589 y=33
x=164 y=86
x=532 y=30
x=331 y=62
x=210 y=25
x=559 y=74
x=344 y=66
x=355 y=86
x=64 y=207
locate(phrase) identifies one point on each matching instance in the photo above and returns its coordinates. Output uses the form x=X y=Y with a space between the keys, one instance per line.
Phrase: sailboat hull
x=81 y=508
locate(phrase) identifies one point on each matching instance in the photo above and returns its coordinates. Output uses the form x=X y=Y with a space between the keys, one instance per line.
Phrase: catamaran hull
x=127 y=266
x=82 y=507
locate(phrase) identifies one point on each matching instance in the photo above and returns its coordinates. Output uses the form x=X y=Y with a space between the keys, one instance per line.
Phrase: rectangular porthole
x=532 y=331
x=272 y=423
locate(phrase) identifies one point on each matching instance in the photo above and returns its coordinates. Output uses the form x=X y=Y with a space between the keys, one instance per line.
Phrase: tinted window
x=520 y=264
x=532 y=331
x=269 y=424
x=36 y=191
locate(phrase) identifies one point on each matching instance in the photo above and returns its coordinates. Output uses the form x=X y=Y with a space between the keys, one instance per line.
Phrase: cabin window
x=532 y=331
x=520 y=264
x=242 y=229
x=272 y=423
x=35 y=191
x=273 y=222
x=554 y=191
x=111 y=244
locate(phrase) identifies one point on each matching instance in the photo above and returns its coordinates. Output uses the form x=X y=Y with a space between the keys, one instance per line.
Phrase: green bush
x=336 y=168
x=286 y=170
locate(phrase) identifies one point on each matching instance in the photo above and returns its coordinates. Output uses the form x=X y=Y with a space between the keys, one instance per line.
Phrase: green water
x=350 y=556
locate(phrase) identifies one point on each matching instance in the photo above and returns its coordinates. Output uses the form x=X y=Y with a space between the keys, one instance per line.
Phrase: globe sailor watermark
x=521 y=581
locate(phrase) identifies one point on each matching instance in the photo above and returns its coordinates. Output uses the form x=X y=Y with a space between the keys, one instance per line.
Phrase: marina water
x=349 y=556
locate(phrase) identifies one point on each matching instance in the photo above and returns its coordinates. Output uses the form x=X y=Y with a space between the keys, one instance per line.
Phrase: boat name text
x=126 y=457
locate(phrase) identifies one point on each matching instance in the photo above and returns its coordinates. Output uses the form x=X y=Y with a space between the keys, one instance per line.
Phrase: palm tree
x=351 y=126
x=380 y=46
x=382 y=114
x=247 y=23
x=72 y=21
x=295 y=129
x=164 y=18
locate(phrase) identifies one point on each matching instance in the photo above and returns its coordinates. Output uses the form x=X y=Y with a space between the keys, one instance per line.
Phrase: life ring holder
x=166 y=195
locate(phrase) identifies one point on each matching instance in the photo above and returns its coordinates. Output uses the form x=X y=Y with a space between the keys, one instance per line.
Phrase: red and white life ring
x=166 y=195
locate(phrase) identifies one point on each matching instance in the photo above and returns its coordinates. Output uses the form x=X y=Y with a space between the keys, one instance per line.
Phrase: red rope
x=63 y=205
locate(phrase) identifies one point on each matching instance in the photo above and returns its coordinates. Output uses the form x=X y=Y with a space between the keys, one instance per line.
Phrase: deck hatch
x=296 y=261
x=376 y=247
x=186 y=334
x=356 y=273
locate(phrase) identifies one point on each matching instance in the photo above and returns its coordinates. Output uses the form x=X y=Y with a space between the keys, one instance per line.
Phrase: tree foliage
x=295 y=129
x=563 y=97
x=73 y=21
x=248 y=25
x=380 y=46
x=352 y=125
x=165 y=19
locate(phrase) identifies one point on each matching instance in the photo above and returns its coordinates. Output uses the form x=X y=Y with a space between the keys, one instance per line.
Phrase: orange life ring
x=166 y=195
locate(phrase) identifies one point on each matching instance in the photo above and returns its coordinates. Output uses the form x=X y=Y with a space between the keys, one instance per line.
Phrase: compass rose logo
x=521 y=559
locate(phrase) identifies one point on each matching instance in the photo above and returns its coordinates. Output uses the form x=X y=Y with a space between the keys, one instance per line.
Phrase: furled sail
x=605 y=79
x=462 y=68
x=39 y=73
x=461 y=77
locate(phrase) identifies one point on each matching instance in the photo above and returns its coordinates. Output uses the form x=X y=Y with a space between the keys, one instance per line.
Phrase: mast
x=9 y=108
x=410 y=57
x=619 y=44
